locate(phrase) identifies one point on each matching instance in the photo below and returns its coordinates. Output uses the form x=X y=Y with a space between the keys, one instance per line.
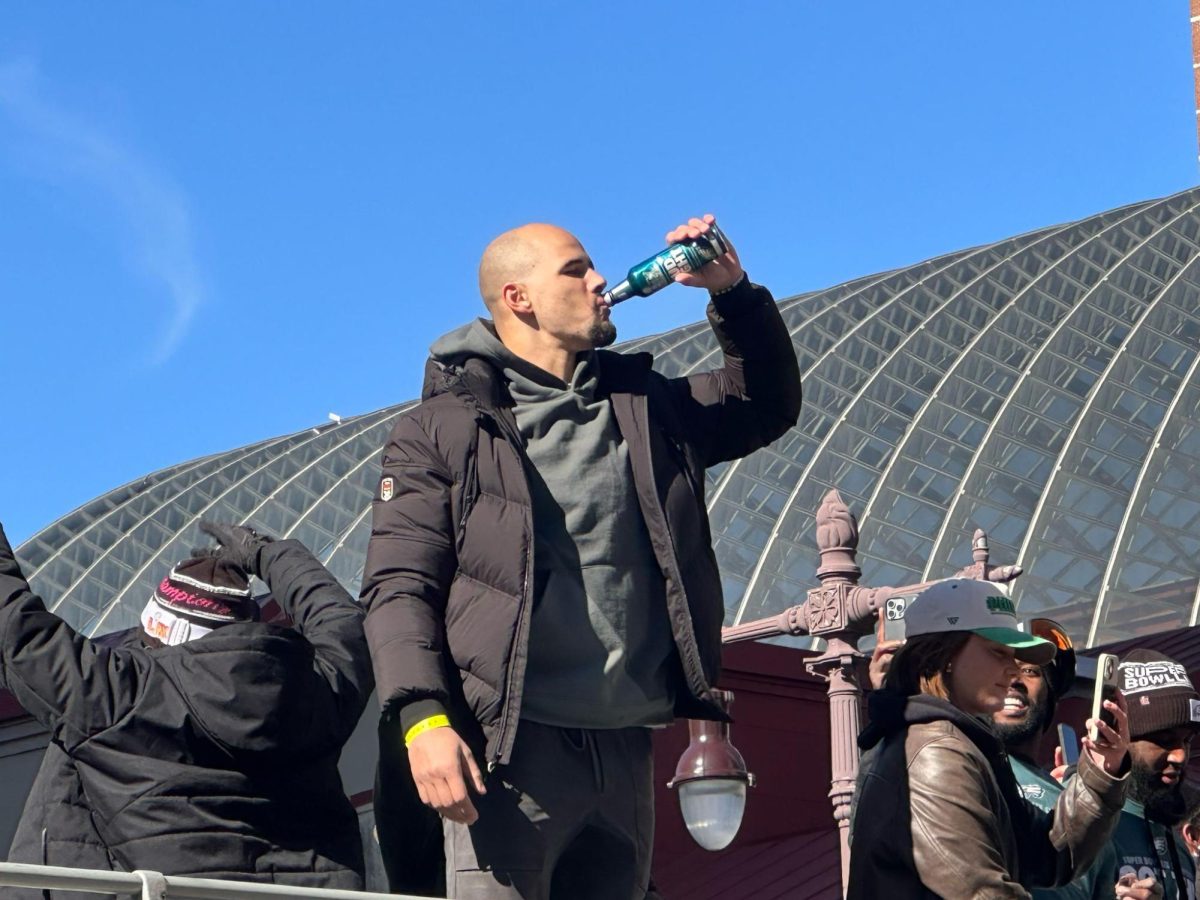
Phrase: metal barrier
x=156 y=886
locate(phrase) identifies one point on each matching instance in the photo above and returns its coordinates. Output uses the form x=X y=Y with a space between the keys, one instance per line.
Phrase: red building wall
x=788 y=844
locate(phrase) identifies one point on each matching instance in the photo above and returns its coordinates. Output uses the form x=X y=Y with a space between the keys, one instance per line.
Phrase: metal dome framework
x=1043 y=387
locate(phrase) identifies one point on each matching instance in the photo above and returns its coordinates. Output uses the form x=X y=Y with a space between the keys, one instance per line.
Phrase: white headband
x=162 y=624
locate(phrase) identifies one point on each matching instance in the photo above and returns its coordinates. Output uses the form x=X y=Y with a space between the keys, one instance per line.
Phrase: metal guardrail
x=156 y=886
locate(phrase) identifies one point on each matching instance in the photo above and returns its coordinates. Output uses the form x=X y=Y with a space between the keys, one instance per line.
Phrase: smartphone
x=1105 y=689
x=1069 y=741
x=891 y=620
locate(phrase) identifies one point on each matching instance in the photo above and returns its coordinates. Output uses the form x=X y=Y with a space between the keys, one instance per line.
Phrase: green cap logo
x=1001 y=606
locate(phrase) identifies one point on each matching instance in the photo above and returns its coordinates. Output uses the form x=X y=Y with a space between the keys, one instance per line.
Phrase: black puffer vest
x=449 y=574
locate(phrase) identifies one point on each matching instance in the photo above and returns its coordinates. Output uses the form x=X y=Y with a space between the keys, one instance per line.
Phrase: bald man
x=540 y=582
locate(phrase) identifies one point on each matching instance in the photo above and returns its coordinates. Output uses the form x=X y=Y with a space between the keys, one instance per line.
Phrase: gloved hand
x=240 y=545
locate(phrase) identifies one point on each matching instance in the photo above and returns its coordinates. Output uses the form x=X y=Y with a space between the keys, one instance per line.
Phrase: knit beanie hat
x=1158 y=692
x=198 y=595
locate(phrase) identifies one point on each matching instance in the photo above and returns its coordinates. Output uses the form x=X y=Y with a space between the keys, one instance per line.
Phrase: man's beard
x=1014 y=734
x=1163 y=802
x=602 y=333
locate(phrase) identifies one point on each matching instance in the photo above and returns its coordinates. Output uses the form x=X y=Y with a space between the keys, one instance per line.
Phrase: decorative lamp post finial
x=837 y=539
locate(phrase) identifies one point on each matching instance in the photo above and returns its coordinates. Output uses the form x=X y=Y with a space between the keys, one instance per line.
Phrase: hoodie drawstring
x=582 y=739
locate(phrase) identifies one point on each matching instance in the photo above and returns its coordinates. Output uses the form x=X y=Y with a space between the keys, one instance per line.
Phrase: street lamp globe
x=712 y=781
x=712 y=810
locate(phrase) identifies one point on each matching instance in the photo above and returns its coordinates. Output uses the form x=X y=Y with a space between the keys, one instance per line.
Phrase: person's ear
x=1191 y=834
x=515 y=298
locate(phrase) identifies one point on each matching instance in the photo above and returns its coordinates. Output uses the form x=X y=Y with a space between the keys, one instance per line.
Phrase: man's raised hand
x=1110 y=748
x=717 y=275
x=239 y=544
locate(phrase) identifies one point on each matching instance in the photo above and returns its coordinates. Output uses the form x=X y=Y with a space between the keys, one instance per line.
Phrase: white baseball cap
x=981 y=607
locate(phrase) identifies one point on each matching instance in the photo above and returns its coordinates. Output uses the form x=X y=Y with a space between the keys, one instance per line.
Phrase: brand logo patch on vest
x=387 y=489
x=1001 y=606
x=1032 y=791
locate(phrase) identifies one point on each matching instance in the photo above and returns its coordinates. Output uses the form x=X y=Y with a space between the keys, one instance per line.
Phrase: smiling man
x=1027 y=714
x=1029 y=707
x=540 y=581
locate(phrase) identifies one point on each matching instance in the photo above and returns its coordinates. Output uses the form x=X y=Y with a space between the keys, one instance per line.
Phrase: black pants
x=571 y=817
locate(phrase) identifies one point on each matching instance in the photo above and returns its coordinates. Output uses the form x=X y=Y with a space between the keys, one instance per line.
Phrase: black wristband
x=729 y=287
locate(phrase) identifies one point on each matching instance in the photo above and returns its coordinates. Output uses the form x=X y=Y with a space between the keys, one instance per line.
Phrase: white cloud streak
x=64 y=148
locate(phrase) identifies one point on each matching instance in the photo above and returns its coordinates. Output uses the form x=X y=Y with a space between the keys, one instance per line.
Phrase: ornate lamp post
x=841 y=611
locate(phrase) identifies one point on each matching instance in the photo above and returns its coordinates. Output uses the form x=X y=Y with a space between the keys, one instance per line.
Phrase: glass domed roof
x=1043 y=388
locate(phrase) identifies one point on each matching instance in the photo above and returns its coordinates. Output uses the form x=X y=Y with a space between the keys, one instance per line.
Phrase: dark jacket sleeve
x=329 y=619
x=411 y=560
x=71 y=685
x=754 y=397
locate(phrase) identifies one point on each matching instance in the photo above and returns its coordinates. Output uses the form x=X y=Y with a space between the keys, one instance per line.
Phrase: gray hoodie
x=600 y=642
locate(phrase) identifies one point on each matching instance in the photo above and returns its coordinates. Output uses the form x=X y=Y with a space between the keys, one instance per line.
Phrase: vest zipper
x=699 y=684
x=681 y=459
x=522 y=632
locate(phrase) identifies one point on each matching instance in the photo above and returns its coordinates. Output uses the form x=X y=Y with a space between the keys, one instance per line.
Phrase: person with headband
x=205 y=743
x=937 y=811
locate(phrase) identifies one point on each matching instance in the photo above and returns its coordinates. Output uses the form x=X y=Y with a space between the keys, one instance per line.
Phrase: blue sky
x=220 y=222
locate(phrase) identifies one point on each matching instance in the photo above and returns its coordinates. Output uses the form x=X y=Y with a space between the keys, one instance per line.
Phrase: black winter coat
x=56 y=826
x=449 y=571
x=215 y=758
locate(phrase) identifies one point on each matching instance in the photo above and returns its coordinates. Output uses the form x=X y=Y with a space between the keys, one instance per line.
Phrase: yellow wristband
x=438 y=721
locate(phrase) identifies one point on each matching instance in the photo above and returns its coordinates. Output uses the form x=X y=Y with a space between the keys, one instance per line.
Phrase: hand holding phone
x=1105 y=688
x=886 y=644
x=891 y=620
x=1107 y=748
x=1068 y=742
